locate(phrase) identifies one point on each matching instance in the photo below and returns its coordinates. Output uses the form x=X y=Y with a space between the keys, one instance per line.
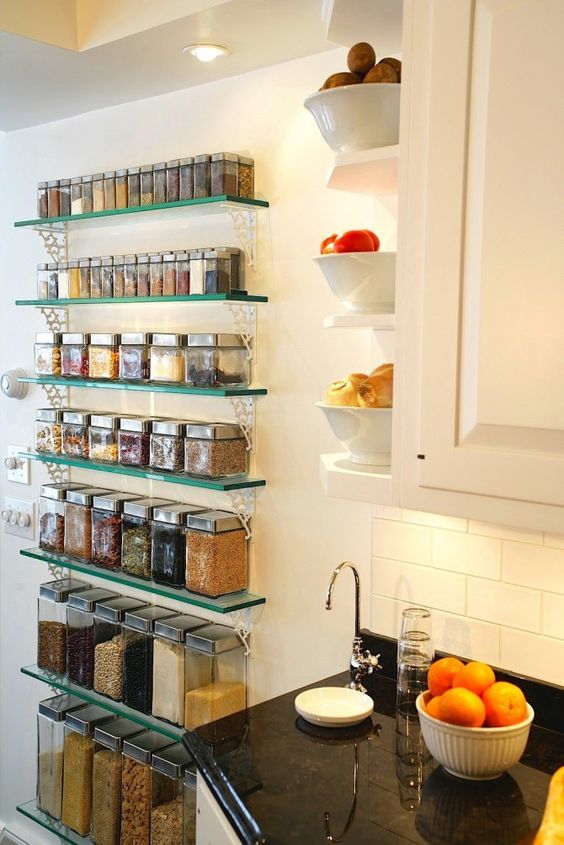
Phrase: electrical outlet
x=18 y=517
x=17 y=468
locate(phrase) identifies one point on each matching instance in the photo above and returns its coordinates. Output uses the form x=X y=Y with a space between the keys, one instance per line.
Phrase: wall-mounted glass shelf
x=243 y=298
x=145 y=386
x=206 y=205
x=223 y=604
x=65 y=834
x=236 y=482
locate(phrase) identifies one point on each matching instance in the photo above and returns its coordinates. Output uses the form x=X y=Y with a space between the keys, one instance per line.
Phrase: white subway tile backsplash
x=467 y=553
x=470 y=638
x=400 y=541
x=555 y=540
x=385 y=616
x=539 y=567
x=435 y=520
x=505 y=532
x=419 y=585
x=553 y=615
x=504 y=604
x=533 y=655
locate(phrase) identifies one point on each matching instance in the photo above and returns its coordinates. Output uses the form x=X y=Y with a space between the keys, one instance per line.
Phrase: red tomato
x=357 y=240
x=375 y=239
x=327 y=244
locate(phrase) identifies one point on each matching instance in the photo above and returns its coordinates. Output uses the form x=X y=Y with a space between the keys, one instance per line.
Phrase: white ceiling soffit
x=377 y=21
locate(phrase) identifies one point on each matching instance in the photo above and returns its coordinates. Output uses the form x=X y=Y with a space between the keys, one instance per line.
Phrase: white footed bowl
x=366 y=433
x=333 y=706
x=474 y=753
x=365 y=282
x=357 y=117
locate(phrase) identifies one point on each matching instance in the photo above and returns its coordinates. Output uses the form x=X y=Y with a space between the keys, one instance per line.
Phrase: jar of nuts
x=103 y=356
x=103 y=438
x=48 y=430
x=47 y=354
x=216 y=554
x=215 y=449
x=136 y=536
x=108 y=647
x=106 y=529
x=75 y=434
x=167 y=808
x=74 y=355
x=167 y=445
x=78 y=522
x=136 y=786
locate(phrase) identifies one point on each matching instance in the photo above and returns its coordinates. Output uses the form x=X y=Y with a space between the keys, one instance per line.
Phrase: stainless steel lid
x=144 y=618
x=57 y=707
x=246 y=160
x=113 y=503
x=217 y=253
x=225 y=157
x=76 y=417
x=137 y=424
x=201 y=158
x=130 y=259
x=185 y=161
x=215 y=431
x=144 y=744
x=76 y=180
x=215 y=340
x=109 y=174
x=196 y=254
x=176 y=428
x=42 y=266
x=156 y=259
x=169 y=256
x=104 y=421
x=87 y=178
x=176 y=627
x=52 y=265
x=214 y=639
x=132 y=171
x=107 y=260
x=95 y=262
x=113 y=734
x=121 y=172
x=169 y=339
x=64 y=182
x=113 y=610
x=182 y=256
x=147 y=168
x=53 y=183
x=62 y=265
x=118 y=260
x=84 y=262
x=86 y=600
x=73 y=263
x=104 y=339
x=85 y=495
x=135 y=339
x=172 y=761
x=175 y=514
x=58 y=491
x=97 y=176
x=160 y=165
x=86 y=719
x=142 y=258
x=174 y=163
x=214 y=522
x=75 y=338
x=143 y=507
x=47 y=337
x=41 y=185
x=59 y=591
x=48 y=415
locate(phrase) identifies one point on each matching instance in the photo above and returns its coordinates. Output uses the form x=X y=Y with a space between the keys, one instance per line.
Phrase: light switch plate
x=20 y=474
x=16 y=508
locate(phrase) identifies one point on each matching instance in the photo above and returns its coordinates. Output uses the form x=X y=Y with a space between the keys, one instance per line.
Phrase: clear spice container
x=197 y=271
x=214 y=450
x=63 y=276
x=76 y=195
x=65 y=201
x=121 y=189
x=47 y=354
x=186 y=170
x=52 y=623
x=182 y=273
x=75 y=434
x=52 y=515
x=80 y=635
x=134 y=356
x=106 y=780
x=74 y=280
x=168 y=543
x=109 y=189
x=74 y=355
x=87 y=195
x=172 y=181
x=167 y=358
x=169 y=274
x=42 y=281
x=103 y=356
x=217 y=270
x=246 y=177
x=107 y=276
x=136 y=536
x=106 y=529
x=53 y=280
x=167 y=804
x=215 y=667
x=102 y=438
x=136 y=787
x=133 y=441
x=224 y=174
x=42 y=200
x=236 y=275
x=169 y=666
x=78 y=522
x=119 y=276
x=98 y=192
x=53 y=198
x=84 y=271
x=48 y=431
x=130 y=275
x=216 y=554
x=156 y=275
x=217 y=360
x=202 y=176
x=133 y=187
x=50 y=746
x=146 y=177
x=95 y=278
x=143 y=279
x=167 y=445
x=108 y=645
x=159 y=183
x=138 y=629
x=78 y=762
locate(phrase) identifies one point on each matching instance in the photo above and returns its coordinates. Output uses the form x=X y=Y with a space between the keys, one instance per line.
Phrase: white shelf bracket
x=243 y=504
x=245 y=227
x=56 y=318
x=245 y=321
x=244 y=408
x=55 y=241
x=57 y=396
x=242 y=622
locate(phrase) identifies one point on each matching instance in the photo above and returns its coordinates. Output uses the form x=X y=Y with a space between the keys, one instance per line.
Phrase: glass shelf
x=65 y=834
x=206 y=205
x=223 y=604
x=243 y=298
x=237 y=482
x=145 y=386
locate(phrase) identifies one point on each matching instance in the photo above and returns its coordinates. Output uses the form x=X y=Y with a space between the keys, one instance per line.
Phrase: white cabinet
x=212 y=827
x=480 y=313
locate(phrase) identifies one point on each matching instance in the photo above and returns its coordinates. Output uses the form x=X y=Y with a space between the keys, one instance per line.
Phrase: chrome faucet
x=362 y=662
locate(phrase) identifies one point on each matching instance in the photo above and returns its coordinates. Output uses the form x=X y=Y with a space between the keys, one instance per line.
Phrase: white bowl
x=474 y=753
x=365 y=282
x=333 y=706
x=357 y=117
x=366 y=433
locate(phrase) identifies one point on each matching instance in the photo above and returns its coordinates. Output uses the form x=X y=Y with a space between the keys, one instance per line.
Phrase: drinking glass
x=415 y=655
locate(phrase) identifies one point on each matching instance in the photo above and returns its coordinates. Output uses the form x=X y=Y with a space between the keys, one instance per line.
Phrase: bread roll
x=551 y=831
x=385 y=370
x=377 y=390
x=345 y=391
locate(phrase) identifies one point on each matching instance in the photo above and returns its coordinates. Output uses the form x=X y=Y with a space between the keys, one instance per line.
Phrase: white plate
x=333 y=706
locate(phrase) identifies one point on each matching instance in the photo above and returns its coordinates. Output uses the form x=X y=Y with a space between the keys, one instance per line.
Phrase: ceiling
x=59 y=58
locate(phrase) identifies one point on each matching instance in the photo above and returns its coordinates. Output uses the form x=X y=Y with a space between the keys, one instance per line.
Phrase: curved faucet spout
x=329 y=598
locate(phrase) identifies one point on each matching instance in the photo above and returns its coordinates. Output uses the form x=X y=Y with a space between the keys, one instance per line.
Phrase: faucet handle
x=372 y=661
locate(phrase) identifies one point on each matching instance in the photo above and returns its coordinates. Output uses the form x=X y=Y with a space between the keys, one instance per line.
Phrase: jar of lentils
x=108 y=646
x=216 y=554
x=215 y=450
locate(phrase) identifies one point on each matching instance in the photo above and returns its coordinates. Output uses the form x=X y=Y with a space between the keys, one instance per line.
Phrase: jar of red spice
x=106 y=529
x=74 y=355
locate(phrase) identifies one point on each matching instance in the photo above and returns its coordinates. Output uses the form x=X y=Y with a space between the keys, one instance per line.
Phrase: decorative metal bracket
x=243 y=504
x=55 y=241
x=57 y=396
x=56 y=318
x=56 y=472
x=58 y=571
x=244 y=409
x=242 y=623
x=245 y=320
x=245 y=227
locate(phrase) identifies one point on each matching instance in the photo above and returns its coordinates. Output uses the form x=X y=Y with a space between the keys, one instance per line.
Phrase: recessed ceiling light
x=206 y=52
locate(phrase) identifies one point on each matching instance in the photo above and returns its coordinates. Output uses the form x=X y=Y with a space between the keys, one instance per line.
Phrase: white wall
x=301 y=535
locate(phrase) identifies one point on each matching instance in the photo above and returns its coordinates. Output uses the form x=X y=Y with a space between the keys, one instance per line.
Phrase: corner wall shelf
x=243 y=298
x=373 y=172
x=342 y=479
x=147 y=386
x=376 y=322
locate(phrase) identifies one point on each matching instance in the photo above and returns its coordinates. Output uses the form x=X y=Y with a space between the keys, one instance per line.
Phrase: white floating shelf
x=377 y=322
x=342 y=479
x=373 y=172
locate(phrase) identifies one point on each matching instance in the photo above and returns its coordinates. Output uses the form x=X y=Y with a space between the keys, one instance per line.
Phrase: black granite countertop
x=283 y=782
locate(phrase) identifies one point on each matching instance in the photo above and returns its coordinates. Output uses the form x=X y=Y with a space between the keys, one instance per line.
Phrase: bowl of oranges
x=475 y=726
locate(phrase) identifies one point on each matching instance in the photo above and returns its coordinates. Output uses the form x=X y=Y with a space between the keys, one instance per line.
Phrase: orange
x=461 y=707
x=441 y=673
x=505 y=705
x=475 y=676
x=432 y=706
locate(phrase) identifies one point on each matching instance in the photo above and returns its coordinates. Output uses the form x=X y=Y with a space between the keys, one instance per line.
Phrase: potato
x=361 y=58
x=395 y=63
x=381 y=73
x=338 y=79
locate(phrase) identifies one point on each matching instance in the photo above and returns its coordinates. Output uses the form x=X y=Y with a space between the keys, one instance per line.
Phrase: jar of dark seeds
x=52 y=623
x=106 y=529
x=216 y=554
x=133 y=441
x=217 y=271
x=136 y=536
x=134 y=356
x=48 y=433
x=168 y=543
x=167 y=445
x=138 y=628
x=75 y=434
x=224 y=172
x=108 y=646
x=167 y=806
x=215 y=450
x=217 y=360
x=78 y=522
x=80 y=634
x=52 y=515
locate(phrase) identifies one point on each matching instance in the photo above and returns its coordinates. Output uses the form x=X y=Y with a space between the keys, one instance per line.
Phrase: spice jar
x=138 y=628
x=52 y=280
x=109 y=190
x=121 y=189
x=136 y=536
x=75 y=434
x=172 y=181
x=224 y=174
x=156 y=275
x=42 y=281
x=133 y=187
x=65 y=200
x=47 y=354
x=108 y=647
x=159 y=183
x=143 y=282
x=182 y=273
x=246 y=177
x=236 y=275
x=84 y=271
x=42 y=200
x=119 y=276
x=102 y=438
x=80 y=635
x=50 y=745
x=202 y=176
x=217 y=270
x=87 y=195
x=107 y=780
x=215 y=667
x=52 y=515
x=74 y=280
x=106 y=529
x=169 y=274
x=74 y=355
x=216 y=554
x=168 y=543
x=169 y=666
x=78 y=522
x=146 y=182
x=52 y=623
x=63 y=276
x=95 y=278
x=197 y=271
x=134 y=356
x=217 y=360
x=98 y=192
x=167 y=445
x=77 y=767
x=53 y=198
x=107 y=276
x=215 y=450
x=167 y=804
x=130 y=275
x=76 y=195
x=167 y=358
x=48 y=431
x=133 y=441
x=186 y=171
x=136 y=787
x=103 y=356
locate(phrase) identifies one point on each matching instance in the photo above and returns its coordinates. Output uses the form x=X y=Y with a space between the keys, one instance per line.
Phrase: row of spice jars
x=181 y=273
x=182 y=546
x=108 y=778
x=213 y=360
x=197 y=177
x=204 y=449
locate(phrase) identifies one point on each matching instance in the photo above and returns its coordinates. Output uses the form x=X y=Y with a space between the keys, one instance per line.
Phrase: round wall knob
x=11 y=387
x=11 y=463
x=6 y=516
x=24 y=520
x=13 y=518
